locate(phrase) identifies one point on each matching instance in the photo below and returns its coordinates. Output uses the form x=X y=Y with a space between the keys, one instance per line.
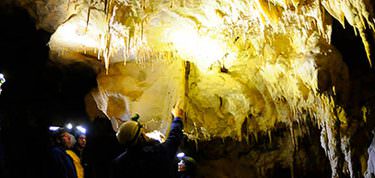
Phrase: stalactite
x=346 y=150
x=272 y=75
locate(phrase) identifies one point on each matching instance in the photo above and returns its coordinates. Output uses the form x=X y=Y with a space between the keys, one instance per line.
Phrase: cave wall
x=261 y=96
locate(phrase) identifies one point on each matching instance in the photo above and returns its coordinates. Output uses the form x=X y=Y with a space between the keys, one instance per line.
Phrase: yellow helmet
x=129 y=132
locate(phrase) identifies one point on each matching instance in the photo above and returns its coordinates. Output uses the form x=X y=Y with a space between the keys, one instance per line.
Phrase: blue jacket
x=152 y=160
x=62 y=165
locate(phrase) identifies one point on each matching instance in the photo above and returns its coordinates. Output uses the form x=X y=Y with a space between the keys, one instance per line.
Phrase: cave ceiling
x=240 y=67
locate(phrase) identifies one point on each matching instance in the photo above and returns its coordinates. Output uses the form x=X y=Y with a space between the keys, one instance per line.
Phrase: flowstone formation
x=241 y=67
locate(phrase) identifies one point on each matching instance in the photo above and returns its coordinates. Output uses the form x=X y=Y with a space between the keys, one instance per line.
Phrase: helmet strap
x=136 y=134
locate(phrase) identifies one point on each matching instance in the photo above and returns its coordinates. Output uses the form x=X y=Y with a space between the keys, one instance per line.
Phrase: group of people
x=66 y=152
x=143 y=156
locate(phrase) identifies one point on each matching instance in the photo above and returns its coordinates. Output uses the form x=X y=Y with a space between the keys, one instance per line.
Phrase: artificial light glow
x=69 y=126
x=74 y=34
x=180 y=155
x=81 y=129
x=2 y=81
x=53 y=128
x=202 y=50
x=75 y=37
x=281 y=46
x=156 y=135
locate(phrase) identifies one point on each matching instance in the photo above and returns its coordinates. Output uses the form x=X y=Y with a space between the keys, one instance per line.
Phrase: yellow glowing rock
x=271 y=12
x=148 y=89
x=260 y=61
x=253 y=64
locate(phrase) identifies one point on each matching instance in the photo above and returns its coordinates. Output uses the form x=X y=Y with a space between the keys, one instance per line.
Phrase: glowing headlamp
x=81 y=129
x=180 y=155
x=2 y=80
x=53 y=128
x=69 y=126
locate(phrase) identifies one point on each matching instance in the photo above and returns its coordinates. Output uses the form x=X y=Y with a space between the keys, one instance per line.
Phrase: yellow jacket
x=77 y=163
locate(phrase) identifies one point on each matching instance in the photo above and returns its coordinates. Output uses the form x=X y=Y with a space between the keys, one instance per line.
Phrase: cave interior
x=286 y=100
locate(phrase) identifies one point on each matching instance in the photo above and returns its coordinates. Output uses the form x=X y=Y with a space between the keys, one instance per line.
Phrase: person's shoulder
x=57 y=149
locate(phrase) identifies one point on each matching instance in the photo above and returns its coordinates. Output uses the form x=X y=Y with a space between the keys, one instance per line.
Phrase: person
x=101 y=148
x=145 y=157
x=62 y=165
x=187 y=167
x=74 y=157
x=80 y=145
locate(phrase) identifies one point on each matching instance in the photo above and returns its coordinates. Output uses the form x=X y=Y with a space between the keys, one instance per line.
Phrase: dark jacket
x=62 y=165
x=152 y=160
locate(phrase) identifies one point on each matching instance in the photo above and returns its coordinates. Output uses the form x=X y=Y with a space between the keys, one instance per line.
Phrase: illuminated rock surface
x=256 y=70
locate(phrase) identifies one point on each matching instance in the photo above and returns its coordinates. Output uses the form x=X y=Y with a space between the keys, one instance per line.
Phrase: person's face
x=181 y=166
x=82 y=141
x=66 y=140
